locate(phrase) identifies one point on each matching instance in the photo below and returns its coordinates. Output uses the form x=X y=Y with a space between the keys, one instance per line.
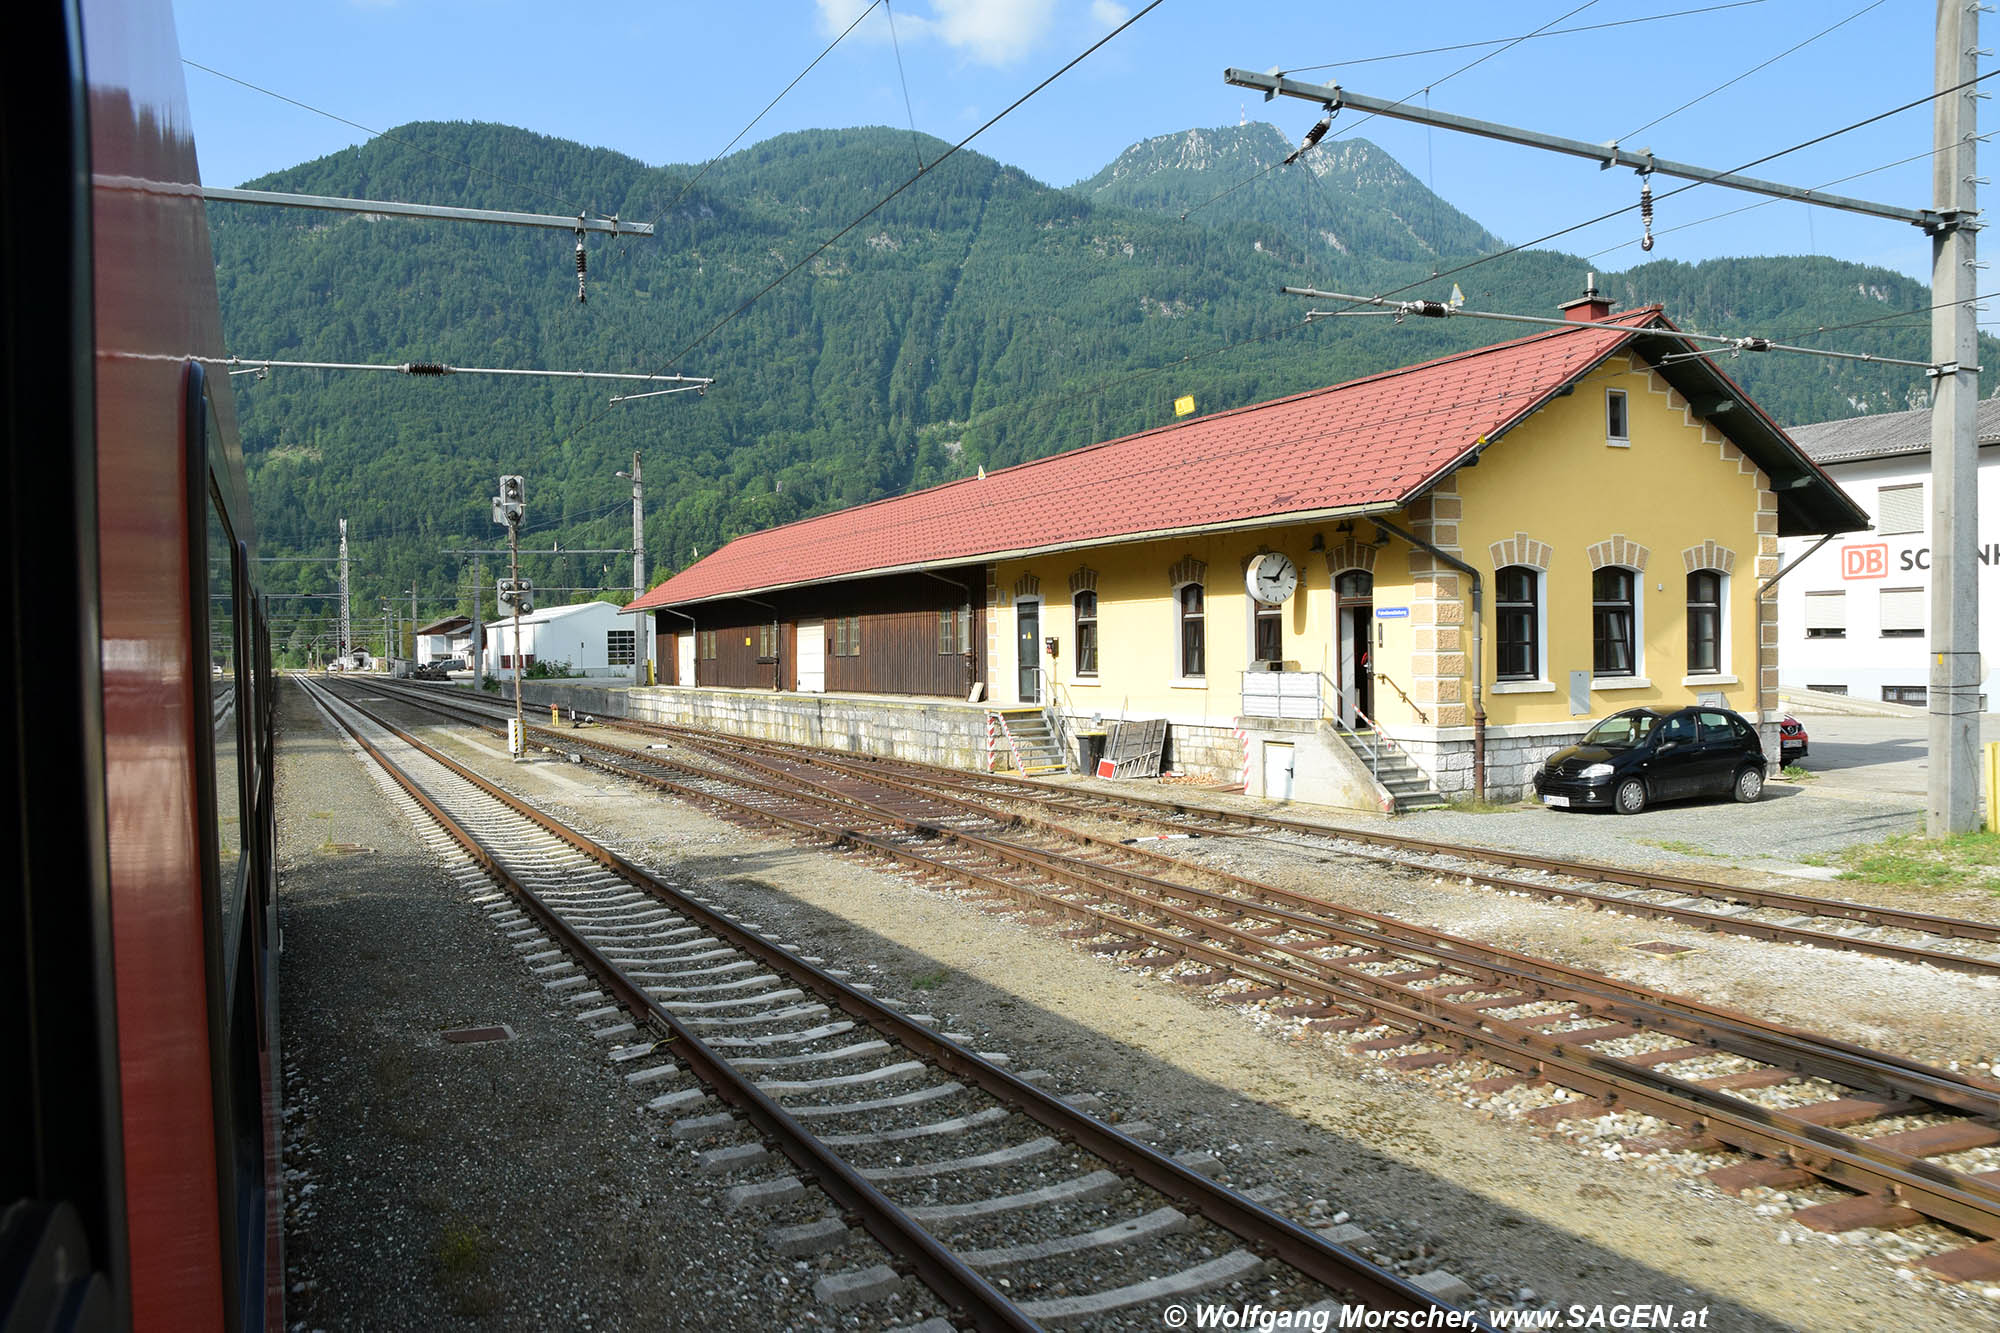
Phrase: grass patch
x=321 y=814
x=1964 y=860
x=1680 y=846
x=462 y=1251
x=1793 y=773
x=930 y=980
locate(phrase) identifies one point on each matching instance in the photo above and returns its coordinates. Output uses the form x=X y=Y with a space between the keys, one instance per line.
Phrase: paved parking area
x=1868 y=784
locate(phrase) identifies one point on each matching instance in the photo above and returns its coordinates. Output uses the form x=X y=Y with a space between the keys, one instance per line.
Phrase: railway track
x=1955 y=944
x=1908 y=1146
x=970 y=1177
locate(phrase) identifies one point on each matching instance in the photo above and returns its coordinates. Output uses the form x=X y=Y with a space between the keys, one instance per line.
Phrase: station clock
x=1271 y=577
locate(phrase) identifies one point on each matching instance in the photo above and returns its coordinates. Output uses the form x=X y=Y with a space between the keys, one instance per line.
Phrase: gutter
x=1478 y=673
x=1762 y=589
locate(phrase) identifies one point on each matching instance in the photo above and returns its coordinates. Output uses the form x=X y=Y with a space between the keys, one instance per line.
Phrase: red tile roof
x=1368 y=443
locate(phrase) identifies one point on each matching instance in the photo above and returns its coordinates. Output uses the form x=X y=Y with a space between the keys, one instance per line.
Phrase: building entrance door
x=684 y=658
x=1028 y=648
x=1354 y=626
x=812 y=656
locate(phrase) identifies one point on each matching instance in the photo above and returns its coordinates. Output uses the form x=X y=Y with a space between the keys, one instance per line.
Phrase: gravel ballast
x=1433 y=1183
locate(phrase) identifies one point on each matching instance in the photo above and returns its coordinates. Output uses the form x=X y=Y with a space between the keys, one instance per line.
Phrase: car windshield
x=1621 y=732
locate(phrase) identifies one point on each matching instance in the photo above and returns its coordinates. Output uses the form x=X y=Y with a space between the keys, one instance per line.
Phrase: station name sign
x=1872 y=560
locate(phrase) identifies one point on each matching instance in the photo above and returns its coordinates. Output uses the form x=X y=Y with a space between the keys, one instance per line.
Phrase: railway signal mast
x=509 y=508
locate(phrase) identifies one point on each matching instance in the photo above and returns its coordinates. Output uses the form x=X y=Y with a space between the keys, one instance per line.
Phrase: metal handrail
x=1381 y=740
x=1422 y=716
x=1055 y=707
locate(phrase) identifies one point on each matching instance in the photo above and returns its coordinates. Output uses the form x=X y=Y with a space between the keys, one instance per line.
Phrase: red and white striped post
x=1242 y=778
x=990 y=739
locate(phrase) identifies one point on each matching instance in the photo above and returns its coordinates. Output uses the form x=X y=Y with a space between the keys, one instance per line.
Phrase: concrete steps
x=1034 y=743
x=1411 y=788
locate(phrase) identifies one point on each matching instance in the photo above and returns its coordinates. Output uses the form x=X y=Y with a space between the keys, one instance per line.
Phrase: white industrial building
x=589 y=638
x=1854 y=617
x=447 y=640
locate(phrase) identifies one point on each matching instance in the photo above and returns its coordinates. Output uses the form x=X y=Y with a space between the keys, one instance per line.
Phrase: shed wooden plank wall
x=898 y=618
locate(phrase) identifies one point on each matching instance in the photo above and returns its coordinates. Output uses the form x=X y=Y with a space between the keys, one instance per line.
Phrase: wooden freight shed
x=914 y=634
x=1416 y=583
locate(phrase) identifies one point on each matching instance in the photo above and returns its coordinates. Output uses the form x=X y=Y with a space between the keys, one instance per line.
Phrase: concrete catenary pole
x=639 y=635
x=478 y=626
x=1952 y=801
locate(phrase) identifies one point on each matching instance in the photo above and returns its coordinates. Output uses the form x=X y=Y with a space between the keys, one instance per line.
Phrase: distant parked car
x=1642 y=755
x=1792 y=739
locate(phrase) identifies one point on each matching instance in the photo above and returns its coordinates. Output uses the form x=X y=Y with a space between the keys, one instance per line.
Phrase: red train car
x=138 y=1060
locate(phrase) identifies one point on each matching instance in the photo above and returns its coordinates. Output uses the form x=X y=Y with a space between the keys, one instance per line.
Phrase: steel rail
x=1755 y=1038
x=1741 y=1034
x=1706 y=920
x=1944 y=1195
x=1292 y=1244
x=1065 y=797
x=1815 y=1055
x=1969 y=1204
x=939 y=1269
x=1902 y=918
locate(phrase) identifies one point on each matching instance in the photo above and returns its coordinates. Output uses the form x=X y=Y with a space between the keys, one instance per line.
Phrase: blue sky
x=672 y=83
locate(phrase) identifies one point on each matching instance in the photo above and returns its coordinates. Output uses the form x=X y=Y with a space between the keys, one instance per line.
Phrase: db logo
x=1865 y=562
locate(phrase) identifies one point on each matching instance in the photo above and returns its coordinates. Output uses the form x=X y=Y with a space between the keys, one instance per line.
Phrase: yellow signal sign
x=1184 y=406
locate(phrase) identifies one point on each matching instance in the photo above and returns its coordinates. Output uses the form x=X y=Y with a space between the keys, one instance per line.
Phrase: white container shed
x=589 y=638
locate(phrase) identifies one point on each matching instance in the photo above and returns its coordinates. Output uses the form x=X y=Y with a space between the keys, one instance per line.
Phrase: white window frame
x=1539 y=683
x=1181 y=676
x=1882 y=629
x=1250 y=605
x=1638 y=680
x=1077 y=675
x=1624 y=401
x=1724 y=658
x=1805 y=615
x=1882 y=510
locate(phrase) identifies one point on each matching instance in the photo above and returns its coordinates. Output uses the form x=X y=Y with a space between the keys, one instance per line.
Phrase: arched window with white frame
x=1614 y=615
x=1707 y=621
x=1517 y=605
x=1191 y=640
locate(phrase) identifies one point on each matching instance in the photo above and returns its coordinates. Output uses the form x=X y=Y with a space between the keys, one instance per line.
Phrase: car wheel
x=1630 y=798
x=1749 y=785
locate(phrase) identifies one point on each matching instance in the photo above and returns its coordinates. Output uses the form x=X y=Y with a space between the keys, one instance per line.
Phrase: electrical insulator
x=580 y=262
x=1646 y=210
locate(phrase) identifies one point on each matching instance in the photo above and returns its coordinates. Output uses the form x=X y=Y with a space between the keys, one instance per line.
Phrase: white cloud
x=1108 y=13
x=990 y=32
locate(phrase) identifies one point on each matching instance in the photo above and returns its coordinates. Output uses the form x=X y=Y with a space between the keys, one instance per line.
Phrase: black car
x=1642 y=755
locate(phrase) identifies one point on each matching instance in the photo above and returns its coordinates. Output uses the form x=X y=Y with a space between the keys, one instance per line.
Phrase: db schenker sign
x=1871 y=560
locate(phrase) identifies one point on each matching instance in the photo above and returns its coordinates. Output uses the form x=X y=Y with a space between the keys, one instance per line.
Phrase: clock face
x=1271 y=578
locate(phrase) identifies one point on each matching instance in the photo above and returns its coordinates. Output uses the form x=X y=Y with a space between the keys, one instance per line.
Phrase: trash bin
x=1089 y=749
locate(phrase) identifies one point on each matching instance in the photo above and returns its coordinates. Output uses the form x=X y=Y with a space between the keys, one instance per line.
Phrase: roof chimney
x=1590 y=306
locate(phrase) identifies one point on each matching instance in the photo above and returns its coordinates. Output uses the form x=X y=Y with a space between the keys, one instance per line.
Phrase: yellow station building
x=1413 y=584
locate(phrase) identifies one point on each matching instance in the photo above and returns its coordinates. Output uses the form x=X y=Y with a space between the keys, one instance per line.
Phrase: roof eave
x=1810 y=502
x=1028 y=552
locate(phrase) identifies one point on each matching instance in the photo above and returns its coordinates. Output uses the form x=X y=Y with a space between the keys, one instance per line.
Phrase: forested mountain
x=979 y=318
x=1346 y=194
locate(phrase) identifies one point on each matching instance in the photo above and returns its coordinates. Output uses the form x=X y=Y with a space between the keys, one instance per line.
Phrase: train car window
x=225 y=700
